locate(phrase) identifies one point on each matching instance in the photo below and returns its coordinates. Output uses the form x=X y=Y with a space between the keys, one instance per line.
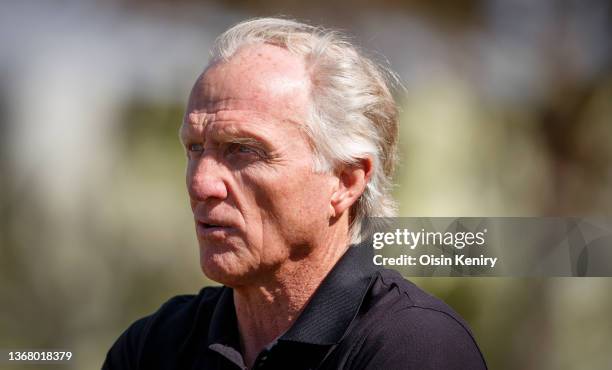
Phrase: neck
x=267 y=309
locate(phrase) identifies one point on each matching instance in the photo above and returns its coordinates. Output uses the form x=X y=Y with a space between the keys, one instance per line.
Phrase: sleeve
x=418 y=339
x=125 y=352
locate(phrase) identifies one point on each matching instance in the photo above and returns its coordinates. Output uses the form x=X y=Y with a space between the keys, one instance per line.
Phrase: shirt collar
x=223 y=323
x=327 y=315
x=223 y=336
x=336 y=302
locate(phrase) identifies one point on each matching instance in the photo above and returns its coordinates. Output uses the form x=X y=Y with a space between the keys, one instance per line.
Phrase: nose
x=205 y=179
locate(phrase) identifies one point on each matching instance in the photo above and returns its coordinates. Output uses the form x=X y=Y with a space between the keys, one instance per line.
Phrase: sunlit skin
x=267 y=225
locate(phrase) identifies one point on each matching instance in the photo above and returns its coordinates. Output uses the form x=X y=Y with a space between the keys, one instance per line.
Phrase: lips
x=213 y=221
x=213 y=228
x=209 y=222
x=210 y=225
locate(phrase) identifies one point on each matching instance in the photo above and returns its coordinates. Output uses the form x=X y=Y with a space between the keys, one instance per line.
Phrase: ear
x=352 y=183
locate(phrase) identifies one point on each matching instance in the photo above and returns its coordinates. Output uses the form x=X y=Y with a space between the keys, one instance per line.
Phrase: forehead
x=262 y=79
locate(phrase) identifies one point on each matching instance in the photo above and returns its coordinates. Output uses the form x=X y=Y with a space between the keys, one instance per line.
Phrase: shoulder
x=411 y=329
x=177 y=315
x=165 y=329
x=181 y=311
x=409 y=299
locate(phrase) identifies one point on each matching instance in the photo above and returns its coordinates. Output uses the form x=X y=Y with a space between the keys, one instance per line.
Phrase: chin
x=224 y=267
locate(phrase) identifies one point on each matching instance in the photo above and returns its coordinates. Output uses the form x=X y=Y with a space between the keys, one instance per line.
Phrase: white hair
x=353 y=115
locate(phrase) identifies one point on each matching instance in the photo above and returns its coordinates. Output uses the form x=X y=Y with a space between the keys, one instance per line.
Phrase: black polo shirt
x=360 y=317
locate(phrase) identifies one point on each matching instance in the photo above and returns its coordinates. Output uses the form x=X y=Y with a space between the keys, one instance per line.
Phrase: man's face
x=256 y=202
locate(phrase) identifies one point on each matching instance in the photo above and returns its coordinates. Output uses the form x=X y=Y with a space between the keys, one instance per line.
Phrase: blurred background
x=507 y=112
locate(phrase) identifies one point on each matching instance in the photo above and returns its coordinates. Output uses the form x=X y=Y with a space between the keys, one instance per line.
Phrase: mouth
x=209 y=229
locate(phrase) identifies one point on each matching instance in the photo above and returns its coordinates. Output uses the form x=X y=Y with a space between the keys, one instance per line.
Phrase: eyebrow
x=239 y=135
x=227 y=134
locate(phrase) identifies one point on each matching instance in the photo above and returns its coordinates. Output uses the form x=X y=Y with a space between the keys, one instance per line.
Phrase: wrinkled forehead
x=258 y=77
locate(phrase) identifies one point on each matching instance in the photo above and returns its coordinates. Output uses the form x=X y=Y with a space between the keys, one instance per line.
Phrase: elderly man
x=290 y=135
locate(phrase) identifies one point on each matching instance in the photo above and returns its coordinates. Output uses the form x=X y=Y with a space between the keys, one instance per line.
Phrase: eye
x=195 y=148
x=237 y=148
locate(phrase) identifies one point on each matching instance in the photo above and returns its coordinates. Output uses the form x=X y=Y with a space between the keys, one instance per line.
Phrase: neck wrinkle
x=265 y=311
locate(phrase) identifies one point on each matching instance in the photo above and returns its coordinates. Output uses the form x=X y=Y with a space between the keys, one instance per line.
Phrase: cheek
x=296 y=206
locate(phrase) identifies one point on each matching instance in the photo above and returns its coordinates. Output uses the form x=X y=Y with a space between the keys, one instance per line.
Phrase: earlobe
x=336 y=197
x=332 y=210
x=352 y=182
x=336 y=202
